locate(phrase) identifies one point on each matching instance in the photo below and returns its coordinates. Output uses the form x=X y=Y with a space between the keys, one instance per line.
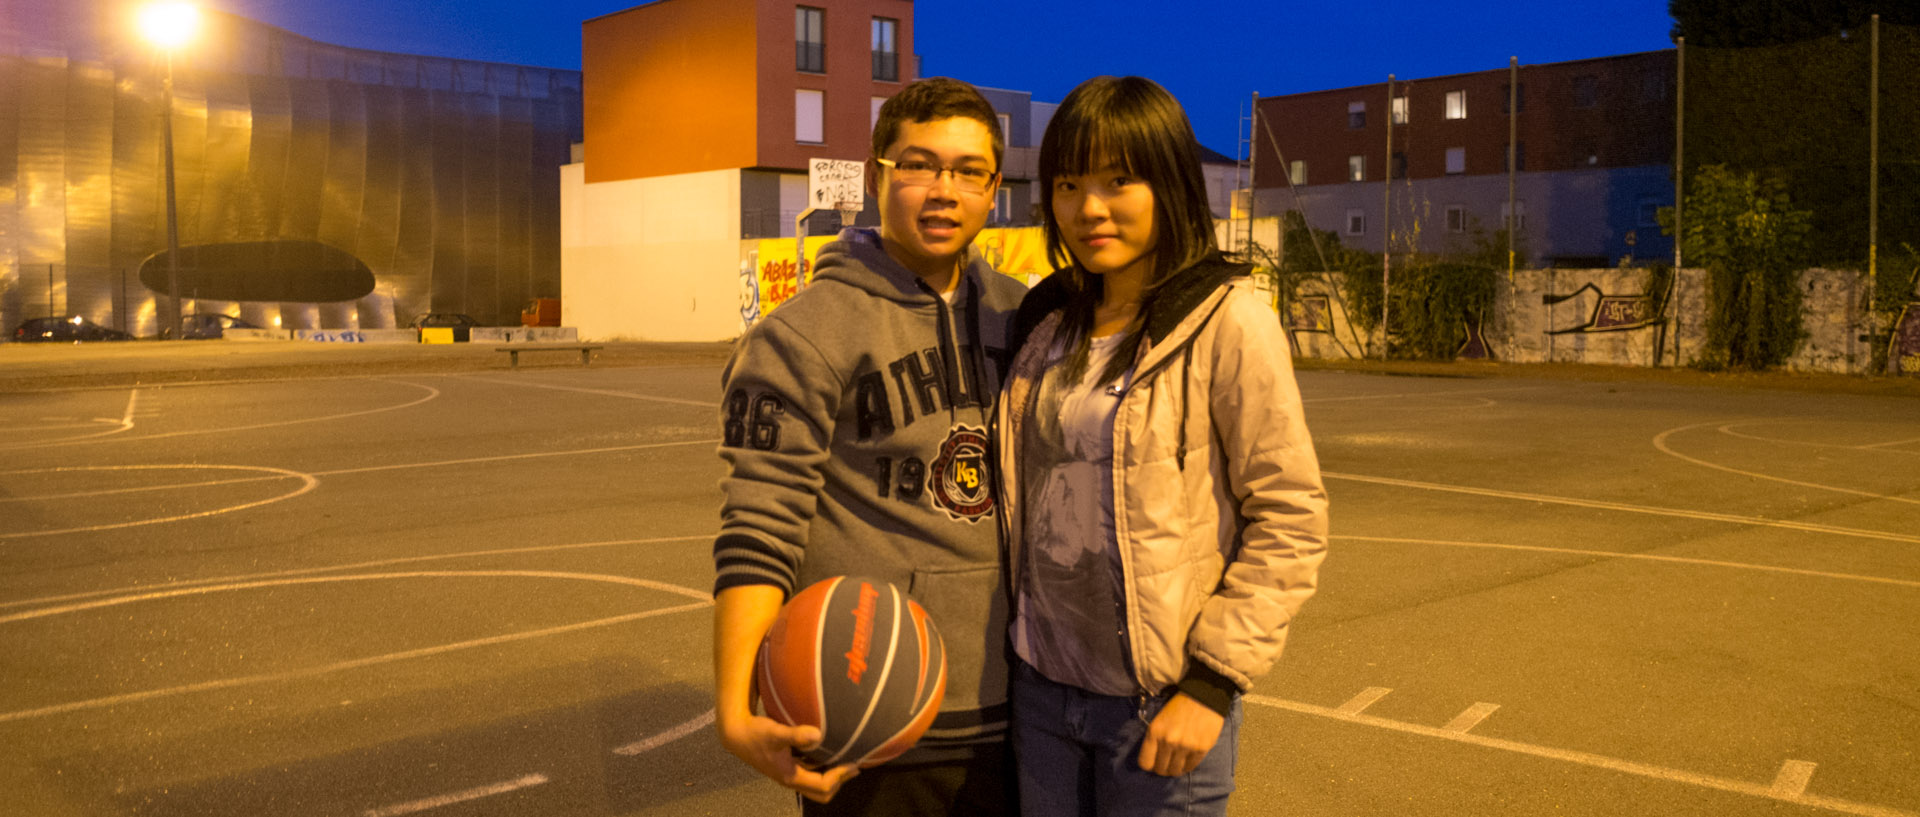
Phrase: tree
x=1743 y=228
x=1743 y=23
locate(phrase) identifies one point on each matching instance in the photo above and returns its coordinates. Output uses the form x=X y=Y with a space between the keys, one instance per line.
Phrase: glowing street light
x=169 y=25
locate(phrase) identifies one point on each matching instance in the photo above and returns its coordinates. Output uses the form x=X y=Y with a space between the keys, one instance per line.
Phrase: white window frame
x=1456 y=104
x=873 y=120
x=1399 y=107
x=808 y=101
x=1356 y=218
x=1456 y=218
x=1519 y=206
x=1356 y=168
x=1297 y=172
x=1006 y=128
x=1356 y=115
x=1456 y=161
x=1003 y=205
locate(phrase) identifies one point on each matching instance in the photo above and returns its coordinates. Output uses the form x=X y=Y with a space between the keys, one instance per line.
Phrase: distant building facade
x=700 y=119
x=319 y=187
x=1593 y=160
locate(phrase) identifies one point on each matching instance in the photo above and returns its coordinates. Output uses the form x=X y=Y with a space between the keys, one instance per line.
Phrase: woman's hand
x=1180 y=737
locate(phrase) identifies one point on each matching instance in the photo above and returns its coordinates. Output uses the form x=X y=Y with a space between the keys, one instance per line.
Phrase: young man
x=855 y=433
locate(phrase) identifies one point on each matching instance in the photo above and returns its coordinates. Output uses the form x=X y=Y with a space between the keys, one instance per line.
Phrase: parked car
x=462 y=325
x=64 y=330
x=210 y=326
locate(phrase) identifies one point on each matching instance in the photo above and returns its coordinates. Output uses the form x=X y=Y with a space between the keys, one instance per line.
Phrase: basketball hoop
x=849 y=210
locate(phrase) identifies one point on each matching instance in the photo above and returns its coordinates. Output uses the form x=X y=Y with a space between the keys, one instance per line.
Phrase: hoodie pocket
x=969 y=607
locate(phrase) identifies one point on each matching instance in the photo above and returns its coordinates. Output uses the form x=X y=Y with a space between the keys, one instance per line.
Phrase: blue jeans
x=1078 y=754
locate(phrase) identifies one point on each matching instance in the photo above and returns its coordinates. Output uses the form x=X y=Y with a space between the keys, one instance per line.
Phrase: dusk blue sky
x=1212 y=55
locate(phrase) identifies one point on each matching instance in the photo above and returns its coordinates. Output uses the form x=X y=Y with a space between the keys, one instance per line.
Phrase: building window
x=1653 y=87
x=1297 y=172
x=1356 y=115
x=1356 y=168
x=1517 y=155
x=1649 y=212
x=810 y=39
x=886 y=57
x=873 y=119
x=1006 y=128
x=1513 y=99
x=1456 y=218
x=1356 y=222
x=1456 y=104
x=809 y=116
x=1456 y=160
x=1003 y=206
x=1399 y=165
x=1507 y=215
x=1399 y=110
x=1586 y=91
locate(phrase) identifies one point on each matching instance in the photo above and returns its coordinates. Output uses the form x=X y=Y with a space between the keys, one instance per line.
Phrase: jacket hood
x=1176 y=298
x=857 y=259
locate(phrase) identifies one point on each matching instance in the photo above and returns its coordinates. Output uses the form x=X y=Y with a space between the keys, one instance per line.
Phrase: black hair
x=936 y=98
x=1134 y=123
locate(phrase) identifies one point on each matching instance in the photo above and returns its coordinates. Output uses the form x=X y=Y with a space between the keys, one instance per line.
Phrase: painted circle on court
x=89 y=498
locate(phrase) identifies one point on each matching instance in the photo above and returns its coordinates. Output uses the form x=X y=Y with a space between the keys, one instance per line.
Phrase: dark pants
x=1079 y=755
x=981 y=785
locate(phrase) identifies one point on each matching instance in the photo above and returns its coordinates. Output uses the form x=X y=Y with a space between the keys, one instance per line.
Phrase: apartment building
x=1592 y=151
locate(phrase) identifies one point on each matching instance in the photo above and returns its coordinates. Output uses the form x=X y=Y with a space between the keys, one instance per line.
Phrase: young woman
x=1162 y=499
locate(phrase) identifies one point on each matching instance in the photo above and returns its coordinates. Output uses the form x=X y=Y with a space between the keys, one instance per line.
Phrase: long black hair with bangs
x=1134 y=123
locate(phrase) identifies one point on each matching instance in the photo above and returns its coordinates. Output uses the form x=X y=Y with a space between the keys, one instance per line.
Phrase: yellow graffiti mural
x=1020 y=252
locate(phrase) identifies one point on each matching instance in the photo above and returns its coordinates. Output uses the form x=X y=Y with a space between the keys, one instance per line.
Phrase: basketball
x=860 y=660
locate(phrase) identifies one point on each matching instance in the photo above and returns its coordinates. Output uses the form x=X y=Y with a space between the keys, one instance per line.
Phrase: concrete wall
x=651 y=259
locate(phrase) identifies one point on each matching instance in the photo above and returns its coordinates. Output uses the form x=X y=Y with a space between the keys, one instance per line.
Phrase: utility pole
x=1679 y=184
x=1386 y=223
x=1513 y=153
x=1873 y=175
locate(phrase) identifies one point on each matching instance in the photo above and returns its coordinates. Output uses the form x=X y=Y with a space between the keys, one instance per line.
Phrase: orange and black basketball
x=860 y=660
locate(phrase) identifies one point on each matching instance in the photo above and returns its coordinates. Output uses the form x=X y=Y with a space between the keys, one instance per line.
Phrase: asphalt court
x=485 y=593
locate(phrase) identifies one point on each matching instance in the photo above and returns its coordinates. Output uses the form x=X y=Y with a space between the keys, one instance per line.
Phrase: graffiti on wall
x=1587 y=309
x=776 y=273
x=1903 y=351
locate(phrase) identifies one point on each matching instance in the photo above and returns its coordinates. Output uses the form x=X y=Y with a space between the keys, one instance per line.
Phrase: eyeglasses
x=916 y=173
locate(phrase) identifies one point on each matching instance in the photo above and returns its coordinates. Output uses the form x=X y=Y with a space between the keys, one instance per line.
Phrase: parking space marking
x=1793 y=779
x=1660 y=443
x=700 y=722
x=1589 y=759
x=1648 y=557
x=426 y=803
x=1600 y=504
x=703 y=602
x=1466 y=721
x=1359 y=703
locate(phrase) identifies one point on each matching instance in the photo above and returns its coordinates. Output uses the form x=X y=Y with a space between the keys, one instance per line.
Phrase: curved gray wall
x=440 y=175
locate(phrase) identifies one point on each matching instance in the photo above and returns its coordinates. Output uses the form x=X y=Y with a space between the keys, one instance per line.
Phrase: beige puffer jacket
x=1224 y=523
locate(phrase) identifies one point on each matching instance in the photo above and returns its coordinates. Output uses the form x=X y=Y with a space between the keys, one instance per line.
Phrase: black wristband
x=1213 y=690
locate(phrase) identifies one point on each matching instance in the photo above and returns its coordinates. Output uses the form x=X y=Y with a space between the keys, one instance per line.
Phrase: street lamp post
x=169 y=25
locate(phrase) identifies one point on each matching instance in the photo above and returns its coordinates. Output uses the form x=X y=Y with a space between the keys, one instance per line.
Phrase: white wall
x=650 y=259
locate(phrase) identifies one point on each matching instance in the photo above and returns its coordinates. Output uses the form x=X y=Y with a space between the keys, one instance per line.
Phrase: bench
x=586 y=350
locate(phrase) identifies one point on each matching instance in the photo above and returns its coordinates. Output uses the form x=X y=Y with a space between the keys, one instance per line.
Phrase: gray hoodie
x=855 y=429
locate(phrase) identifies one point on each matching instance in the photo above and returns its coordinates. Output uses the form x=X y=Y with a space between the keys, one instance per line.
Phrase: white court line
x=1609 y=554
x=511 y=457
x=308 y=483
x=1421 y=394
x=700 y=722
x=1728 y=430
x=356 y=663
x=1467 y=720
x=1793 y=779
x=309 y=571
x=1647 y=770
x=124 y=424
x=1359 y=703
x=1660 y=442
x=431 y=394
x=426 y=803
x=1629 y=508
x=602 y=392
